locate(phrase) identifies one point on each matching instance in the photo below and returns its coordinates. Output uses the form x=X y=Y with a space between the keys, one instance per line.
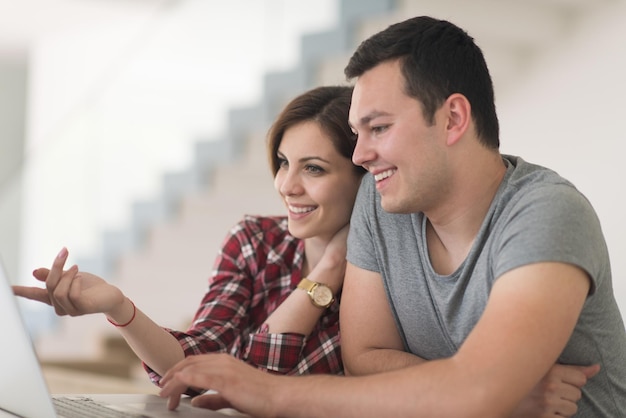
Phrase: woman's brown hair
x=327 y=106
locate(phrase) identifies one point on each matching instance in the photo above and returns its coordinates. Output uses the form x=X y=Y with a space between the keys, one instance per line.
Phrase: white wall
x=570 y=117
x=117 y=102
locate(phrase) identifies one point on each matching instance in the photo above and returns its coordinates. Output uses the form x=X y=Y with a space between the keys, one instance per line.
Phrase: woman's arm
x=76 y=293
x=299 y=337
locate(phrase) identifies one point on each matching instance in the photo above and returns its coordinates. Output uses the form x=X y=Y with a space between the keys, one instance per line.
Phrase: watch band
x=320 y=294
x=306 y=284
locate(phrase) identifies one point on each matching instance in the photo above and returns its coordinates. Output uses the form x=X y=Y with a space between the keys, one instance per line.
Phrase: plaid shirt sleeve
x=252 y=276
x=293 y=354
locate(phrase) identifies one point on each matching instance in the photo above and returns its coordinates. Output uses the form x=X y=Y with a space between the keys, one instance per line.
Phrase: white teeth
x=301 y=210
x=384 y=174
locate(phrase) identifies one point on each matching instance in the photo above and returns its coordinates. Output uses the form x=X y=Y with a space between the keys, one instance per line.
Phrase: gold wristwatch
x=320 y=294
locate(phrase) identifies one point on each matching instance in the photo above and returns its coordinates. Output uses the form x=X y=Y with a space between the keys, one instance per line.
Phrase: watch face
x=322 y=296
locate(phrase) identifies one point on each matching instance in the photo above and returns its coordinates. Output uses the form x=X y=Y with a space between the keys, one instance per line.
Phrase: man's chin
x=390 y=206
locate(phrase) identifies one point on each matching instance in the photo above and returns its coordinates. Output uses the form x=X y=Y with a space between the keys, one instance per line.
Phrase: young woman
x=273 y=300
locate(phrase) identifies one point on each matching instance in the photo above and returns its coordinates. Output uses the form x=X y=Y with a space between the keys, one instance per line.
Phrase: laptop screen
x=23 y=389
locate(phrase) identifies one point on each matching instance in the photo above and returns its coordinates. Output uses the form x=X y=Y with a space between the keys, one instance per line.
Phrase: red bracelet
x=131 y=319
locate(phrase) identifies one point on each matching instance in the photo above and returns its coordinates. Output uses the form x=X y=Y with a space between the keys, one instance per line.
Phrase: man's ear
x=459 y=117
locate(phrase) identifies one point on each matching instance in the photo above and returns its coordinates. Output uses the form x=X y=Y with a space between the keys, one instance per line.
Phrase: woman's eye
x=282 y=162
x=314 y=169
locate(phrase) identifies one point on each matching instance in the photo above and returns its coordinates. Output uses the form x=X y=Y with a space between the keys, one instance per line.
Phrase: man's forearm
x=440 y=389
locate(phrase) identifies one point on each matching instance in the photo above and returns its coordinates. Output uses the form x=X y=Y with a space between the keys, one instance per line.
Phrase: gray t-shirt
x=535 y=216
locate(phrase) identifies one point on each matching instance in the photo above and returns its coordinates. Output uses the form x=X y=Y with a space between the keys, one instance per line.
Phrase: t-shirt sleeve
x=554 y=223
x=361 y=247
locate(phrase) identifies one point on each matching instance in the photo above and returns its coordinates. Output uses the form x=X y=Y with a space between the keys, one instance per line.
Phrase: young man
x=470 y=272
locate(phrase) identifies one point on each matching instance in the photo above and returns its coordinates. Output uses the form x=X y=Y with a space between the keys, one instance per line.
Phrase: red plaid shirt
x=259 y=265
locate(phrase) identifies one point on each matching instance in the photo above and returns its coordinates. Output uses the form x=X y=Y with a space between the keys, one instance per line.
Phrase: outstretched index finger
x=33 y=293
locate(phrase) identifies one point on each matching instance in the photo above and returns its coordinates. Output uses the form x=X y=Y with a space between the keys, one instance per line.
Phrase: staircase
x=164 y=261
x=170 y=249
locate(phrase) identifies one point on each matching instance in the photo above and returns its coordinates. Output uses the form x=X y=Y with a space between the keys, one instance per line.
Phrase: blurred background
x=132 y=131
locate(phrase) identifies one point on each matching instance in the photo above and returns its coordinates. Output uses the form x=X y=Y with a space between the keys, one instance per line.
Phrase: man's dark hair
x=437 y=60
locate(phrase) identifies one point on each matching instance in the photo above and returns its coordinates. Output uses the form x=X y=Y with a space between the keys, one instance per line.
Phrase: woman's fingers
x=33 y=293
x=41 y=274
x=55 y=273
x=58 y=284
x=69 y=291
x=62 y=291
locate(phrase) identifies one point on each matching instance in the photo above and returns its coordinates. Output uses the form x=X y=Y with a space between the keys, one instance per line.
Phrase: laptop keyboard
x=84 y=407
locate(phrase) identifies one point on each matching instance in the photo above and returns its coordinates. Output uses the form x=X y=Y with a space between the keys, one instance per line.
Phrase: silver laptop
x=24 y=392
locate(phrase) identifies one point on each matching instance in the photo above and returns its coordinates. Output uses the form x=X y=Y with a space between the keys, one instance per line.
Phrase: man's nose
x=363 y=152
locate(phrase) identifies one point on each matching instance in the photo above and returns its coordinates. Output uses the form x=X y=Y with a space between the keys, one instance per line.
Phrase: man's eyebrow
x=365 y=120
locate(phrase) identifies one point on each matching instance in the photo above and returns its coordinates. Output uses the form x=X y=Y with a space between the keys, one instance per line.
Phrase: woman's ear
x=459 y=117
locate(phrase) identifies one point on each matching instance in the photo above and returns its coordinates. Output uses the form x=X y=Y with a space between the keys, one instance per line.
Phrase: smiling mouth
x=300 y=210
x=384 y=174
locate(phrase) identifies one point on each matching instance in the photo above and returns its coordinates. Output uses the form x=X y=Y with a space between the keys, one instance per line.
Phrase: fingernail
x=62 y=253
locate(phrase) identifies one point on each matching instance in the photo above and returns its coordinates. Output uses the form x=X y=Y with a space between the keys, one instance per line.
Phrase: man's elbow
x=352 y=364
x=372 y=360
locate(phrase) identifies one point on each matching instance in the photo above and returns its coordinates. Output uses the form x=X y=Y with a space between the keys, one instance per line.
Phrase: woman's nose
x=288 y=183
